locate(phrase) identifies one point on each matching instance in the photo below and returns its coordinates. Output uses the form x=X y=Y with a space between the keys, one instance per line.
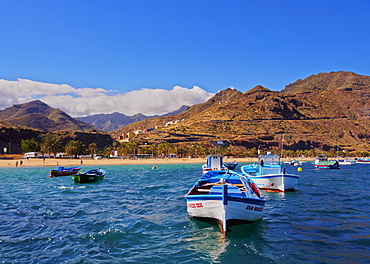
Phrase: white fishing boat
x=269 y=174
x=227 y=197
x=293 y=162
x=215 y=162
x=346 y=161
x=363 y=161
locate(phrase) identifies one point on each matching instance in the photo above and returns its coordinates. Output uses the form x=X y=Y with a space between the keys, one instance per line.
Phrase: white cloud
x=89 y=101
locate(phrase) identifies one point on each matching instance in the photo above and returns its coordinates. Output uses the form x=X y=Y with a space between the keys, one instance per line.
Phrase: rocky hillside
x=324 y=111
x=192 y=111
x=331 y=95
x=40 y=116
x=12 y=135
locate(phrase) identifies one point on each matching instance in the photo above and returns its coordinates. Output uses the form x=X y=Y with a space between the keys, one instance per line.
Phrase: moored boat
x=227 y=197
x=270 y=175
x=215 y=162
x=93 y=175
x=346 y=162
x=231 y=165
x=322 y=162
x=63 y=171
x=293 y=162
x=363 y=161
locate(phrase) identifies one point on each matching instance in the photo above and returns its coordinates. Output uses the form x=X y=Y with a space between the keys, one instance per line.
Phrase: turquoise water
x=138 y=215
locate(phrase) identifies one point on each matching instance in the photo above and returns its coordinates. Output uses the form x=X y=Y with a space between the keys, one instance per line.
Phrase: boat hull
x=346 y=162
x=276 y=182
x=236 y=210
x=231 y=165
x=363 y=161
x=326 y=166
x=64 y=172
x=227 y=197
x=93 y=175
x=86 y=178
x=322 y=162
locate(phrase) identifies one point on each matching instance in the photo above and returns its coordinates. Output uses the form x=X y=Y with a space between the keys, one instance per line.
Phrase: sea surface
x=137 y=214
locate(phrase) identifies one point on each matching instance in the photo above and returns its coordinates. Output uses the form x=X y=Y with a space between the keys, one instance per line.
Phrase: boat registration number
x=195 y=205
x=254 y=208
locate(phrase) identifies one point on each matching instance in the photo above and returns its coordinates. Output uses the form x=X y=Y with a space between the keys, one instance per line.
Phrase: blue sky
x=129 y=45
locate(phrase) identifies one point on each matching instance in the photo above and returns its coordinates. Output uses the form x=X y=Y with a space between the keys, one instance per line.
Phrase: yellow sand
x=92 y=162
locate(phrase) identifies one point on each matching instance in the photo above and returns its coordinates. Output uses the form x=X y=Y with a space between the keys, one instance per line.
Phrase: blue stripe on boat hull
x=194 y=198
x=274 y=176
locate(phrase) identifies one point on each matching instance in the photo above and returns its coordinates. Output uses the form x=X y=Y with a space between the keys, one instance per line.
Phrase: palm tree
x=51 y=143
x=125 y=149
x=195 y=149
x=164 y=148
x=134 y=145
x=182 y=151
x=107 y=151
x=93 y=148
x=115 y=144
x=75 y=148
x=153 y=150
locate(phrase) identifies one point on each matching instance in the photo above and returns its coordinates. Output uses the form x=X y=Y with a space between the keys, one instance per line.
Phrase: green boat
x=93 y=175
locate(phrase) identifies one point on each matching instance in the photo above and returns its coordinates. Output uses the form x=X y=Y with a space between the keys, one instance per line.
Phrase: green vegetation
x=30 y=145
x=75 y=148
x=51 y=144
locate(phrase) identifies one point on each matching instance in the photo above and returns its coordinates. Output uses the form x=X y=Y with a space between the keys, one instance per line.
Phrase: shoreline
x=39 y=162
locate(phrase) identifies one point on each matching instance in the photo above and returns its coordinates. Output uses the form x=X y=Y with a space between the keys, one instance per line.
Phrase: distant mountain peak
x=115 y=121
x=329 y=81
x=224 y=95
x=38 y=115
x=258 y=88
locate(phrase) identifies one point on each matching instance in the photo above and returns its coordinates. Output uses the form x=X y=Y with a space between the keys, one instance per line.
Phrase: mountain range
x=324 y=111
x=115 y=121
x=38 y=115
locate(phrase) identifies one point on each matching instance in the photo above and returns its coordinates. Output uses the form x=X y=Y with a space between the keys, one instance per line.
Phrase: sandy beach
x=34 y=162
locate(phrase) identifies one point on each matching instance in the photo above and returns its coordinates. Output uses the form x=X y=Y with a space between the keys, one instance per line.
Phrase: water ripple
x=137 y=215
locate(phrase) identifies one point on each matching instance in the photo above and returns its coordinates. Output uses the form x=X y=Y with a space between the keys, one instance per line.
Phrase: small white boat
x=269 y=175
x=346 y=162
x=227 y=197
x=214 y=162
x=293 y=162
x=363 y=161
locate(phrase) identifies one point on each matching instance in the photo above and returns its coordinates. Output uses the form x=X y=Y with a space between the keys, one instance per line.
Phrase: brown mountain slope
x=221 y=97
x=332 y=95
x=323 y=111
x=329 y=81
x=38 y=115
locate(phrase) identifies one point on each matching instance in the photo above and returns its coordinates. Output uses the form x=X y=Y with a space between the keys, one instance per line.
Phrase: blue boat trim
x=275 y=176
x=248 y=200
x=198 y=197
x=224 y=194
x=193 y=198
